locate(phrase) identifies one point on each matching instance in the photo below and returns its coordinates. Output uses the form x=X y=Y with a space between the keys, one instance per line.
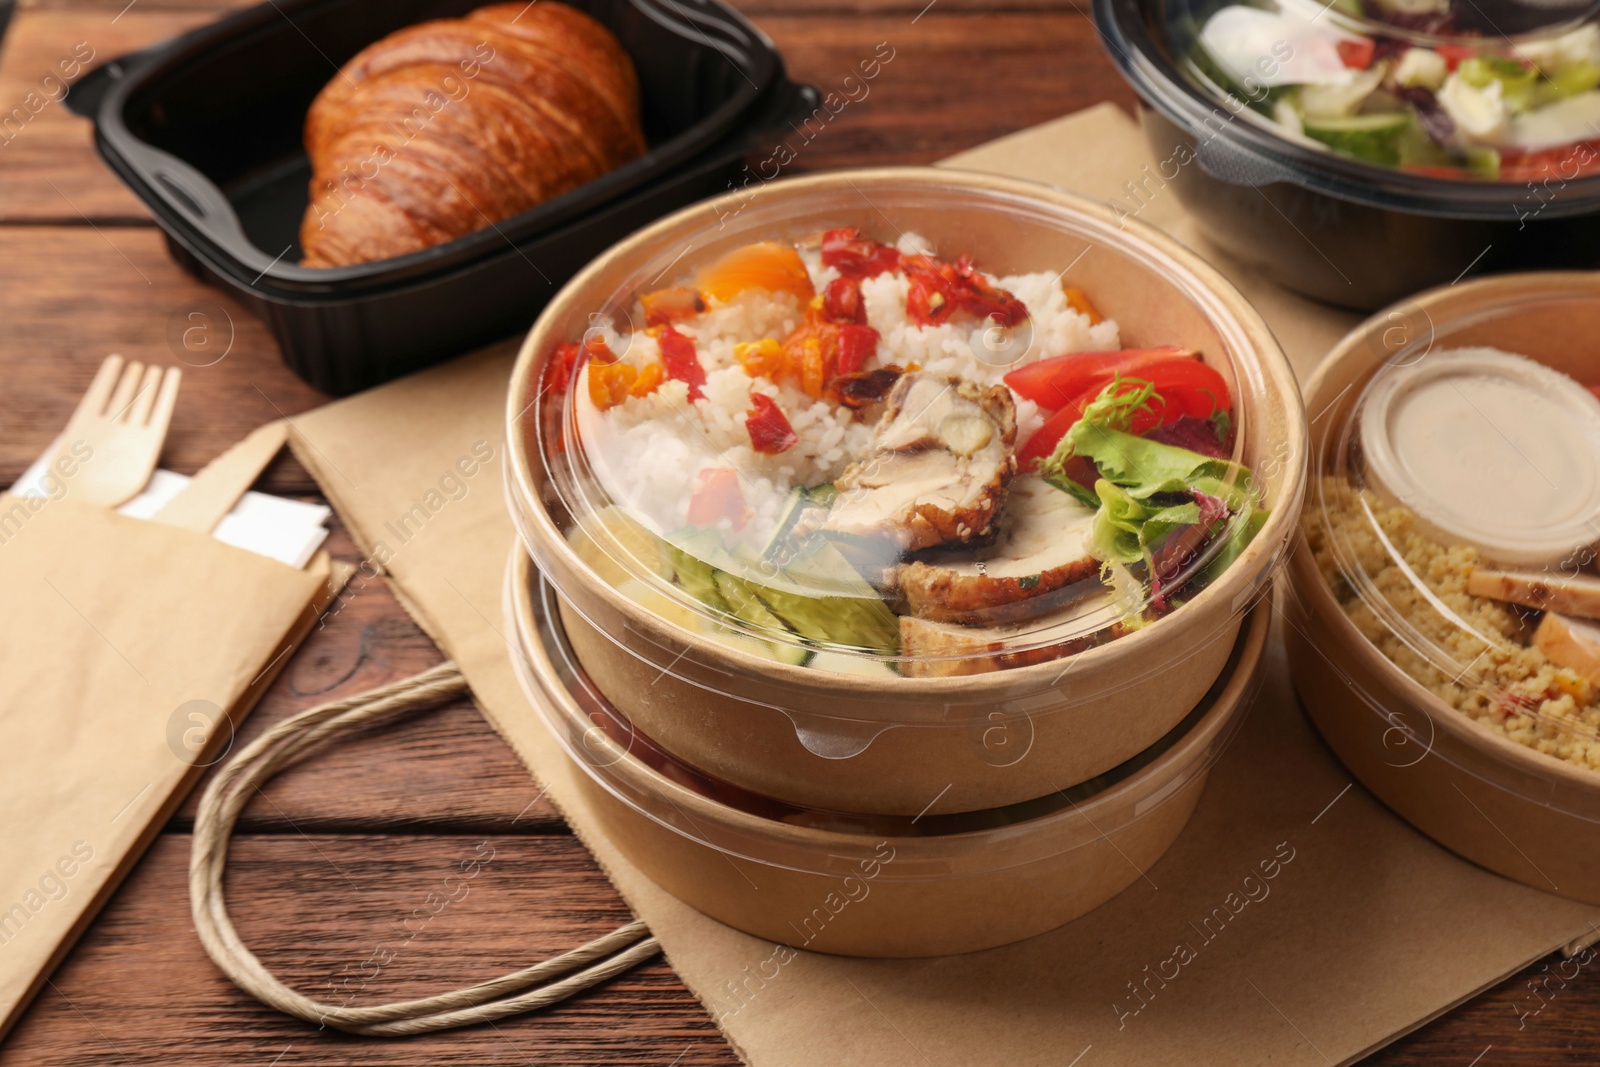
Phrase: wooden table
x=339 y=855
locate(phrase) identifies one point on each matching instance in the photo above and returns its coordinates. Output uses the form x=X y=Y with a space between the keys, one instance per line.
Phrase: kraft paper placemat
x=129 y=652
x=1365 y=931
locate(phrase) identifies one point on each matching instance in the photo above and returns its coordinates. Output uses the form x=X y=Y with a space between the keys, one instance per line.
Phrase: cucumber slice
x=1373 y=138
x=1484 y=162
x=783 y=645
x=818 y=597
x=800 y=500
x=697 y=576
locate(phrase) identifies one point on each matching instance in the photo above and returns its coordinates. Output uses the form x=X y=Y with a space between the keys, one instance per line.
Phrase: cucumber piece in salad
x=746 y=606
x=1371 y=138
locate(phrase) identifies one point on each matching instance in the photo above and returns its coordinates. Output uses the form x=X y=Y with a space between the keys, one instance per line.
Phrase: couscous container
x=871 y=885
x=1444 y=596
x=712 y=514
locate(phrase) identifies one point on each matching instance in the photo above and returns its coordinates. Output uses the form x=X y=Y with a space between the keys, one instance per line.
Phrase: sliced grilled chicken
x=1040 y=558
x=945 y=650
x=1575 y=595
x=942 y=457
x=1571 y=643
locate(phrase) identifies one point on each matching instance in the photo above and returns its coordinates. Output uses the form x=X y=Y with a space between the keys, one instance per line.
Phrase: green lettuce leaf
x=1127 y=530
x=1131 y=524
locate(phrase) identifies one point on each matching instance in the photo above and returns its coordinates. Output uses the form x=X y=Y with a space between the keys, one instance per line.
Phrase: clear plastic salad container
x=903 y=490
x=871 y=885
x=1447 y=602
x=1403 y=143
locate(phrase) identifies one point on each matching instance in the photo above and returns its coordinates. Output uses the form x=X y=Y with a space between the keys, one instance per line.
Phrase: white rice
x=649 y=451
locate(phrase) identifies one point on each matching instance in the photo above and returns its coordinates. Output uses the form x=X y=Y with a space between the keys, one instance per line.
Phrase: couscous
x=1475 y=653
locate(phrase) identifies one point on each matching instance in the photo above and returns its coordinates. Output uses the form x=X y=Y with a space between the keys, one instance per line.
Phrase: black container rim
x=1125 y=31
x=752 y=54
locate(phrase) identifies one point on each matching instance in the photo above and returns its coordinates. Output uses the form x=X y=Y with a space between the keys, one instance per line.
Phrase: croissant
x=449 y=126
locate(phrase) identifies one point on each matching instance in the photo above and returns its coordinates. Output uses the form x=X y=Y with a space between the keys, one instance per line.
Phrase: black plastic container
x=206 y=129
x=1334 y=228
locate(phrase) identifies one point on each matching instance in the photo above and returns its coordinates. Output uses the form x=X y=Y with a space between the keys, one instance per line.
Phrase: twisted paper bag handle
x=529 y=989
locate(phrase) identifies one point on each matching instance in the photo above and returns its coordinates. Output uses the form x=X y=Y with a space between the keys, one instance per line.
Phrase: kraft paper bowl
x=872 y=885
x=1527 y=815
x=906 y=745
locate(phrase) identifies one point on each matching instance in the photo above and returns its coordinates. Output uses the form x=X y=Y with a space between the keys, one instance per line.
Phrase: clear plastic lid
x=868 y=439
x=685 y=800
x=1456 y=517
x=1497 y=90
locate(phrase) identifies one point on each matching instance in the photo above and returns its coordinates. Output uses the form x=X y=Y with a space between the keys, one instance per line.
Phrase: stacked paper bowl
x=895 y=815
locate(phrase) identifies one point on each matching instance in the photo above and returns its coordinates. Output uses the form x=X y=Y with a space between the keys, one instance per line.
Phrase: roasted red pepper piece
x=717 y=496
x=988 y=301
x=770 y=432
x=841 y=301
x=939 y=289
x=857 y=344
x=558 y=372
x=681 y=362
x=563 y=365
x=855 y=256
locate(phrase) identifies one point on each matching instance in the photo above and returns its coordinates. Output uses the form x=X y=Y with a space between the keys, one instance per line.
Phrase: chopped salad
x=1426 y=86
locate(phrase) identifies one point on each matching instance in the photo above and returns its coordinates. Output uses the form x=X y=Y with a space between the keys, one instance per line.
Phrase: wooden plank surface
x=71 y=295
x=48 y=167
x=139 y=989
x=334 y=856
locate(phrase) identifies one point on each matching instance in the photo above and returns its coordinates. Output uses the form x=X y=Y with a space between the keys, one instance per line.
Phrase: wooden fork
x=111 y=444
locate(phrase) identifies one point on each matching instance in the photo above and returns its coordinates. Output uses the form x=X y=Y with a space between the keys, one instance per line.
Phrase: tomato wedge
x=1183 y=388
x=1186 y=388
x=1357 y=54
x=1045 y=438
x=1056 y=382
x=1563 y=162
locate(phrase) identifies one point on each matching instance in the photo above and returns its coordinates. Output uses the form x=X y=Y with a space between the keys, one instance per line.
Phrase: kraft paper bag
x=1365 y=931
x=129 y=651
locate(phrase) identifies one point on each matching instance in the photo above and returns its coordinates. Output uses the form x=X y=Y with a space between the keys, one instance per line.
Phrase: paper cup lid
x=1489 y=450
x=822 y=435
